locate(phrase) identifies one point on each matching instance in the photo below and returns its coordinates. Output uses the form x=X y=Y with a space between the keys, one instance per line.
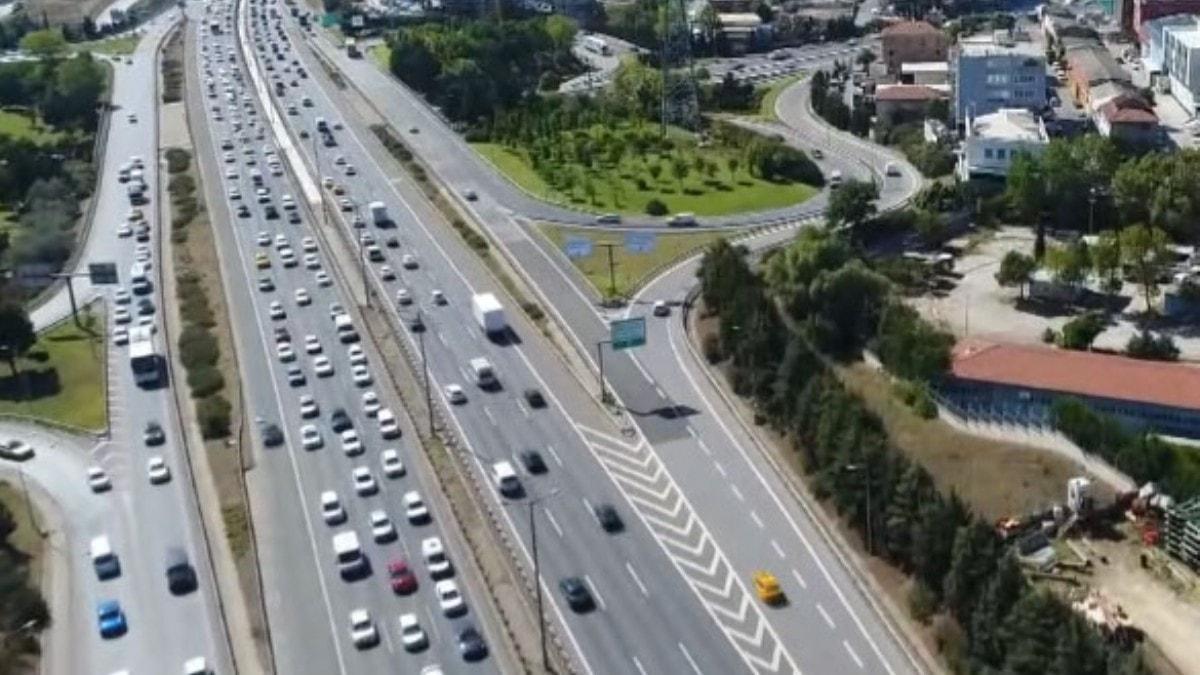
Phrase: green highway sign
x=102 y=273
x=627 y=333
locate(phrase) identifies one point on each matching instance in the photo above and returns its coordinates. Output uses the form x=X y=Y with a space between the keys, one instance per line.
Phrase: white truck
x=144 y=358
x=379 y=214
x=349 y=554
x=485 y=375
x=489 y=313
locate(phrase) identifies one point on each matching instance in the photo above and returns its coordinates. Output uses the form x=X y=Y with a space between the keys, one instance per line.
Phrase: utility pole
x=362 y=255
x=425 y=367
x=612 y=267
x=600 y=361
x=531 y=503
x=865 y=470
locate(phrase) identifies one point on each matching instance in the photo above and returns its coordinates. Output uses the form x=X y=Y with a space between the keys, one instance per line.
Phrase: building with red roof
x=1021 y=383
x=912 y=42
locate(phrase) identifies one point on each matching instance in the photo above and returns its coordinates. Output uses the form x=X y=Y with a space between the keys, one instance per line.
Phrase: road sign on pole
x=578 y=247
x=640 y=242
x=102 y=273
x=627 y=333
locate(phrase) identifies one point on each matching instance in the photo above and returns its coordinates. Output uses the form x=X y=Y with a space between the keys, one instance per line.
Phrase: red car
x=403 y=579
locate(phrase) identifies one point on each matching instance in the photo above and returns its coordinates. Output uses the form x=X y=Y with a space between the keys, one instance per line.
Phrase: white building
x=993 y=140
x=994 y=71
x=1177 y=44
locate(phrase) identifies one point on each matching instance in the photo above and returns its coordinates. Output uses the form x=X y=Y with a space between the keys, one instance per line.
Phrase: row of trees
x=23 y=612
x=475 y=69
x=990 y=619
x=827 y=102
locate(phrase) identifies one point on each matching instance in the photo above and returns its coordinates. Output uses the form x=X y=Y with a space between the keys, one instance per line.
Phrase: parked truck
x=379 y=214
x=489 y=313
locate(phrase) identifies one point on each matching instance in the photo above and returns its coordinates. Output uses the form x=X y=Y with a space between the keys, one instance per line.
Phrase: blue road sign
x=578 y=247
x=627 y=333
x=640 y=242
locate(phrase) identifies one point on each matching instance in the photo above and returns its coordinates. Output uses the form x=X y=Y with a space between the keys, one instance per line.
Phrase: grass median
x=629 y=269
x=766 y=109
x=61 y=378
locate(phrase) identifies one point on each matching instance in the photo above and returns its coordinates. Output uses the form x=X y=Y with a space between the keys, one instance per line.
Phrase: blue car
x=111 y=619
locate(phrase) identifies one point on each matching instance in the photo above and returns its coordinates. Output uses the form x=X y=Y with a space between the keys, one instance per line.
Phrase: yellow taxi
x=767 y=587
x=261 y=261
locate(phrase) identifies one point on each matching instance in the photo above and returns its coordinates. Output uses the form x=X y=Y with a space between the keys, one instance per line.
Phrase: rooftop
x=908 y=92
x=1014 y=124
x=1082 y=373
x=1128 y=109
x=1095 y=64
x=910 y=28
x=990 y=44
x=925 y=67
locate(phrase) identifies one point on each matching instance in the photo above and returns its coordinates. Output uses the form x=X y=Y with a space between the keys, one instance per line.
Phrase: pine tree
x=901 y=513
x=1002 y=591
x=933 y=539
x=971 y=565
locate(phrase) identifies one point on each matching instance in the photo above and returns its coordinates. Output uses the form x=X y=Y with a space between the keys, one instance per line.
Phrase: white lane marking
x=703 y=446
x=857 y=661
x=825 y=615
x=433 y=625
x=778 y=550
x=596 y=592
x=636 y=580
x=587 y=505
x=690 y=660
x=692 y=432
x=442 y=339
x=658 y=390
x=638 y=664
x=757 y=521
x=799 y=579
x=557 y=460
x=553 y=522
x=720 y=469
x=737 y=493
x=488 y=413
x=387 y=635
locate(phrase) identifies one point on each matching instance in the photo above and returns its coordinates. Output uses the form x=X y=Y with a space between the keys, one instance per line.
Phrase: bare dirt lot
x=65 y=11
x=977 y=306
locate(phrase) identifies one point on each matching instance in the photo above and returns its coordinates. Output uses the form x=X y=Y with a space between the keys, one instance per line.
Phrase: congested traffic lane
x=295 y=540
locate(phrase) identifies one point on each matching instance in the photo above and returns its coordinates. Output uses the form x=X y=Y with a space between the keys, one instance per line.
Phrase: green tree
x=413 y=62
x=1015 y=270
x=1144 y=250
x=561 y=31
x=680 y=170
x=655 y=170
x=909 y=346
x=790 y=271
x=974 y=554
x=1069 y=264
x=732 y=164
x=1147 y=345
x=45 y=44
x=16 y=333
x=1106 y=262
x=852 y=204
x=1082 y=331
x=847 y=303
x=901 y=512
x=1006 y=586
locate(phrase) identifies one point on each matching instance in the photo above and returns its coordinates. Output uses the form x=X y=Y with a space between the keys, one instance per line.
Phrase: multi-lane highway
x=684 y=517
x=142 y=520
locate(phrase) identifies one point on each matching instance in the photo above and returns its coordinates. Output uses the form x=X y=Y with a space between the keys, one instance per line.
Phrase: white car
x=121 y=296
x=124 y=230
x=357 y=355
x=409 y=261
x=362 y=629
x=309 y=407
x=312 y=261
x=120 y=336
x=97 y=479
x=450 y=599
x=312 y=345
x=386 y=273
x=310 y=437
x=121 y=315
x=285 y=352
x=411 y=635
x=322 y=366
x=403 y=297
x=360 y=375
x=156 y=469
x=382 y=529
x=351 y=444
x=370 y=403
x=308 y=244
x=364 y=481
x=389 y=459
x=388 y=426
x=287 y=256
x=264 y=239
x=281 y=241
x=303 y=299
x=414 y=508
x=331 y=508
x=276 y=311
x=455 y=394
x=323 y=279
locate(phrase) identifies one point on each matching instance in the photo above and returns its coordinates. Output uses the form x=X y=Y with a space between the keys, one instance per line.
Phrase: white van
x=835 y=178
x=348 y=551
x=345 y=328
x=504 y=476
x=682 y=220
x=485 y=376
x=388 y=426
x=139 y=281
x=103 y=559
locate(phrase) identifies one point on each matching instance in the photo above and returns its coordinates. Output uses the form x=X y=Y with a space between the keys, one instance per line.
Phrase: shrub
x=655 y=207
x=198 y=347
x=922 y=603
x=1049 y=336
x=178 y=160
x=204 y=381
x=213 y=413
x=711 y=346
x=533 y=310
x=1080 y=332
x=1147 y=345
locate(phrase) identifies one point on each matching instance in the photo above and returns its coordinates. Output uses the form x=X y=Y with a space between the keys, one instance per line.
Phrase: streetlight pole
x=600 y=362
x=865 y=469
x=362 y=253
x=1091 y=210
x=531 y=503
x=425 y=368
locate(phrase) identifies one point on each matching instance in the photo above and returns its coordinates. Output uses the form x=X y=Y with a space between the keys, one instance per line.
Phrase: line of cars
x=273 y=256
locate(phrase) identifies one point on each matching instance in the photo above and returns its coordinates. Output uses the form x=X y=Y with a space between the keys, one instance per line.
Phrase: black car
x=532 y=459
x=294 y=217
x=153 y=435
x=270 y=212
x=579 y=598
x=608 y=517
x=534 y=398
x=282 y=334
x=340 y=420
x=272 y=436
x=265 y=284
x=296 y=376
x=471 y=644
x=392 y=242
x=181 y=577
x=145 y=307
x=243 y=211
